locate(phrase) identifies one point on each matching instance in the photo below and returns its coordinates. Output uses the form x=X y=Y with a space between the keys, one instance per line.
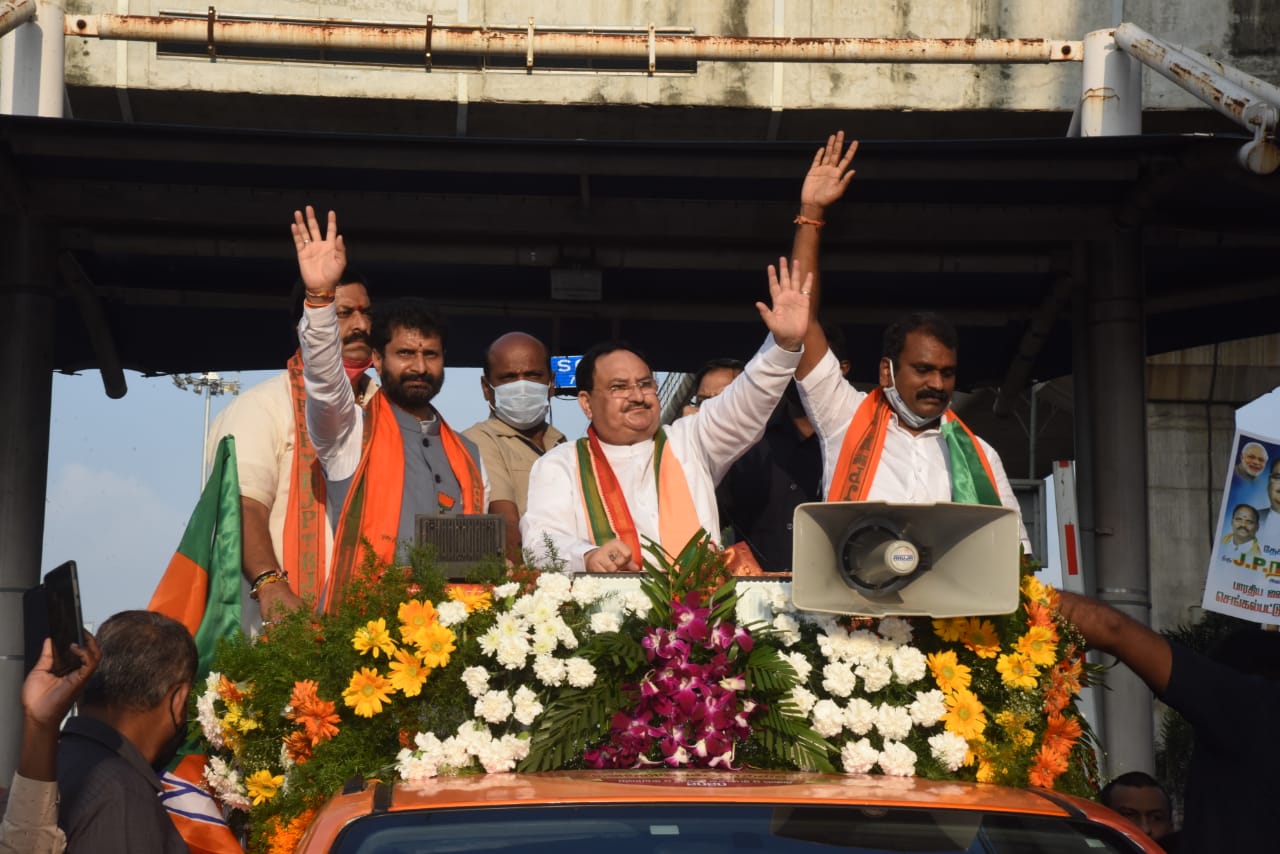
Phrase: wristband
x=804 y=220
x=271 y=576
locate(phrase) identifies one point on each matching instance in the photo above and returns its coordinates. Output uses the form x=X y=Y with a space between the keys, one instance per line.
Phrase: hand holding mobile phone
x=66 y=623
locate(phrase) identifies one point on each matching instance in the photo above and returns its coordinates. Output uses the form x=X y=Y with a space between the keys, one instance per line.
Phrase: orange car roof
x=659 y=786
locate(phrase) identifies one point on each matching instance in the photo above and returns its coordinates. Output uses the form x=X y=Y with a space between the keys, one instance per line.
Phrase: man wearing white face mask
x=517 y=385
x=901 y=442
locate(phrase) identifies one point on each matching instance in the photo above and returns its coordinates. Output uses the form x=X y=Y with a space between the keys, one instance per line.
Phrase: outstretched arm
x=828 y=177
x=1143 y=651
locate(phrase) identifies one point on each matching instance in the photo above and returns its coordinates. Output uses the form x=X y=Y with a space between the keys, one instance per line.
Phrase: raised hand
x=829 y=176
x=46 y=698
x=788 y=317
x=321 y=256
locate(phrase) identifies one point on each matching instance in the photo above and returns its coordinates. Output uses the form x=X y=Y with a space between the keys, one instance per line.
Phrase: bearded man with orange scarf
x=385 y=464
x=594 y=501
x=901 y=442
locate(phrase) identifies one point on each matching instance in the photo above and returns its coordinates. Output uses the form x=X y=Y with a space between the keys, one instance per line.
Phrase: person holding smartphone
x=30 y=823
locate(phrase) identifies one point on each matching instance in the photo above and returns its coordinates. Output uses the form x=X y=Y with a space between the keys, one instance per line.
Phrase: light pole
x=207 y=384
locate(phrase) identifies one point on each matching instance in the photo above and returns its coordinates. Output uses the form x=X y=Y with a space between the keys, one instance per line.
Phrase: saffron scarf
x=304 y=549
x=605 y=505
x=372 y=510
x=972 y=478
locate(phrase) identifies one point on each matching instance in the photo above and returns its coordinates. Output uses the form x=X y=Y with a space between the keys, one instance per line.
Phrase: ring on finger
x=305 y=241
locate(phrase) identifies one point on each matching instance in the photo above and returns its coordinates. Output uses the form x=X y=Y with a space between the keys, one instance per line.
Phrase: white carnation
x=779 y=596
x=636 y=602
x=454 y=753
x=898 y=760
x=451 y=613
x=580 y=673
x=928 y=708
x=838 y=679
x=787 y=628
x=414 y=768
x=550 y=671
x=512 y=652
x=875 y=675
x=909 y=664
x=226 y=784
x=802 y=665
x=494 y=707
x=489 y=641
x=527 y=706
x=544 y=640
x=863 y=647
x=858 y=757
x=828 y=718
x=586 y=589
x=860 y=716
x=555 y=585
x=803 y=698
x=893 y=722
x=208 y=717
x=605 y=621
x=896 y=630
x=476 y=679
x=502 y=591
x=949 y=749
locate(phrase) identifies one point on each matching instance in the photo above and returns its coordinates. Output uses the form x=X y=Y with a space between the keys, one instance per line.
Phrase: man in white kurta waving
x=594 y=502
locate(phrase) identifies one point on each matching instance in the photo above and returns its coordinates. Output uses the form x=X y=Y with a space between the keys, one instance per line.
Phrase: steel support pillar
x=32 y=58
x=26 y=346
x=1111 y=100
x=1116 y=391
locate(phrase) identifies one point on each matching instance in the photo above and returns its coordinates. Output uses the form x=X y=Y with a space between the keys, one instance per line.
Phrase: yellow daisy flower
x=415 y=617
x=965 y=715
x=367 y=692
x=1040 y=644
x=263 y=785
x=1017 y=671
x=949 y=673
x=407 y=673
x=374 y=638
x=980 y=637
x=950 y=630
x=436 y=648
x=476 y=597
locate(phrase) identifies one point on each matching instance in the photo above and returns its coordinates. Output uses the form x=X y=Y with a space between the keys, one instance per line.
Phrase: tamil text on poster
x=1244 y=569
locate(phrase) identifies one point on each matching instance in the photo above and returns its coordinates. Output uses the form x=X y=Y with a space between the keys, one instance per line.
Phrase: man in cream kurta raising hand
x=595 y=501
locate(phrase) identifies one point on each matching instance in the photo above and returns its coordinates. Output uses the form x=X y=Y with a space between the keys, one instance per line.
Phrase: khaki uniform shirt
x=508 y=457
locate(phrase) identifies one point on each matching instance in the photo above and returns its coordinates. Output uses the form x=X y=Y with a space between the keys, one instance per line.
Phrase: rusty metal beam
x=14 y=13
x=529 y=42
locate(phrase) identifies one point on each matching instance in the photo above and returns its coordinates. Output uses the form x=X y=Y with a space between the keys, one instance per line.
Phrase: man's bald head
x=504 y=347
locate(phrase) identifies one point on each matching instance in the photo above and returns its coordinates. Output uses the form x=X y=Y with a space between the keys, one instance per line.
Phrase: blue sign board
x=563 y=367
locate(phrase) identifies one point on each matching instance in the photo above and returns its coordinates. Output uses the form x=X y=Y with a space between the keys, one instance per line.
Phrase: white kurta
x=706 y=444
x=913 y=468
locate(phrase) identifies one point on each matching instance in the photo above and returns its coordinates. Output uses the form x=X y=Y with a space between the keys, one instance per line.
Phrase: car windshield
x=722 y=828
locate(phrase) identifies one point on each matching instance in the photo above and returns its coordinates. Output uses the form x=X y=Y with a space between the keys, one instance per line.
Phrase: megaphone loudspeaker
x=879 y=559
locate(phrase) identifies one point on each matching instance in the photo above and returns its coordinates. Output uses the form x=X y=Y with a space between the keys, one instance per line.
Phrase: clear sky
x=124 y=474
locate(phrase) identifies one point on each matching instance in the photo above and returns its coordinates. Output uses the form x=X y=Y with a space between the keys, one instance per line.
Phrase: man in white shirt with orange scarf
x=901 y=442
x=596 y=501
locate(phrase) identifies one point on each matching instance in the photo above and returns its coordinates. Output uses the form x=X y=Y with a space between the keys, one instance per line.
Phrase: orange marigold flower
x=229 y=691
x=1056 y=699
x=285 y=838
x=1038 y=614
x=304 y=698
x=980 y=637
x=477 y=597
x=950 y=630
x=415 y=617
x=948 y=672
x=1062 y=732
x=298 y=746
x=321 y=724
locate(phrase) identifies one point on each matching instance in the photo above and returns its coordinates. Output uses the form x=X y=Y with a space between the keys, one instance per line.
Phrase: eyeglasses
x=699 y=399
x=646 y=387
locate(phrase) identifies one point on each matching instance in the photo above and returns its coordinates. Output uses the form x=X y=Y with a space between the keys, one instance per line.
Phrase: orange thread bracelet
x=804 y=220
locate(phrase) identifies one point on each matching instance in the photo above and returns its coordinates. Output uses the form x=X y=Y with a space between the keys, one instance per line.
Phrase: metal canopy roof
x=183 y=234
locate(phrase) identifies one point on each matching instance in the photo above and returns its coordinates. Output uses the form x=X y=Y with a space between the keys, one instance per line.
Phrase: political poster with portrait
x=1244 y=569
